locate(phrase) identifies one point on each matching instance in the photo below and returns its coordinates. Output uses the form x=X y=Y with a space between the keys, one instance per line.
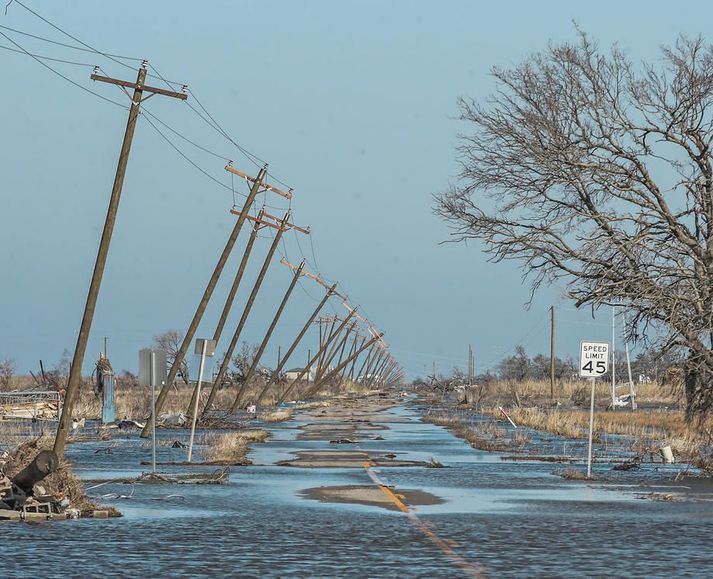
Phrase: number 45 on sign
x=593 y=359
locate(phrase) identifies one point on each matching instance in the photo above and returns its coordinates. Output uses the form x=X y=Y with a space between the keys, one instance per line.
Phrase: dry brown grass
x=231 y=448
x=649 y=429
x=484 y=436
x=527 y=392
x=275 y=416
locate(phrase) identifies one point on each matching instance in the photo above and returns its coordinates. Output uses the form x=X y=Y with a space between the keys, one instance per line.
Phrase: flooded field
x=478 y=515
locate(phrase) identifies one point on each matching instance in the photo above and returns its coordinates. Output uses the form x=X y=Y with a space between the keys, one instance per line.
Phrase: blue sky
x=352 y=103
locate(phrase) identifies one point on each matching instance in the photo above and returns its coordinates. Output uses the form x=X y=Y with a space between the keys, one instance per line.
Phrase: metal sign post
x=206 y=348
x=152 y=366
x=593 y=362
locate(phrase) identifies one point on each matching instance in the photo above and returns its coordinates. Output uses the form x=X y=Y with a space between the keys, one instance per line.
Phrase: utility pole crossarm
x=278 y=222
x=267 y=186
x=318 y=279
x=128 y=84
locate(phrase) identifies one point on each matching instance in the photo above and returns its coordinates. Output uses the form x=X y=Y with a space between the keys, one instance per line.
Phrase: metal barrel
x=45 y=463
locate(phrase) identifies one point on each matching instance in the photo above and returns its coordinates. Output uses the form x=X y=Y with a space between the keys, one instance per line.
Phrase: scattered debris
x=628 y=465
x=178 y=444
x=505 y=414
x=663 y=497
x=167 y=420
x=343 y=441
x=572 y=474
x=667 y=454
x=127 y=424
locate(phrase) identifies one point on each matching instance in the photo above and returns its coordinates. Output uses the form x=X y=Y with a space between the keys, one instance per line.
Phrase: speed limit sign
x=593 y=359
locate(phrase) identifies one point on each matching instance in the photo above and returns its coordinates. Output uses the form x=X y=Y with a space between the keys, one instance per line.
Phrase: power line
x=40 y=56
x=59 y=74
x=187 y=158
x=56 y=42
x=104 y=54
x=182 y=136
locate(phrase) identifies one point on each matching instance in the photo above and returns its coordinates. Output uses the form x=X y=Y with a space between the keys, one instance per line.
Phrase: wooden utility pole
x=231 y=295
x=338 y=344
x=552 y=352
x=326 y=336
x=246 y=312
x=313 y=359
x=200 y=310
x=266 y=339
x=354 y=361
x=327 y=377
x=364 y=364
x=75 y=373
x=276 y=374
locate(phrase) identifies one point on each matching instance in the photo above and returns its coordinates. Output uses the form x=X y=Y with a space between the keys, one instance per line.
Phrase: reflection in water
x=514 y=518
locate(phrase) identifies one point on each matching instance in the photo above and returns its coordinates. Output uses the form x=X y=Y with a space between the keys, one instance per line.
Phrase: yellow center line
x=470 y=569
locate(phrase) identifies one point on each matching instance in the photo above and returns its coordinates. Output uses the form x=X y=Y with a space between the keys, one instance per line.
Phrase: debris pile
x=35 y=485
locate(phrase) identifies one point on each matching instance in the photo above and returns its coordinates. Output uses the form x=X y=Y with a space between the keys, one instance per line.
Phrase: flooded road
x=506 y=518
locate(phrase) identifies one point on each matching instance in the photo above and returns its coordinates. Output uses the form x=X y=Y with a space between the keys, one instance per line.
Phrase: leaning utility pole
x=200 y=310
x=75 y=372
x=231 y=296
x=327 y=377
x=246 y=312
x=552 y=352
x=354 y=361
x=266 y=339
x=314 y=358
x=276 y=374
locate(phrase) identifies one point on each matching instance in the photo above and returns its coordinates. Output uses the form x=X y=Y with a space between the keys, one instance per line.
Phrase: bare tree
x=590 y=169
x=242 y=361
x=7 y=372
x=170 y=341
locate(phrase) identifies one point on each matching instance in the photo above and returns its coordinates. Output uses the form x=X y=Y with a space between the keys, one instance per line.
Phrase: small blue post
x=108 y=398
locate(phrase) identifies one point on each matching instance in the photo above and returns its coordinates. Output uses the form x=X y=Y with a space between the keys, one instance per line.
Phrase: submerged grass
x=648 y=429
x=487 y=436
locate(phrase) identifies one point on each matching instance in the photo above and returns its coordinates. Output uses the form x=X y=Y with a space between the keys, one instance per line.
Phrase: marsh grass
x=275 y=416
x=231 y=448
x=648 y=429
x=484 y=436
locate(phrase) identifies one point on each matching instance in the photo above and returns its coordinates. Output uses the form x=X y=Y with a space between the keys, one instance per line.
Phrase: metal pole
x=591 y=429
x=152 y=379
x=75 y=372
x=246 y=312
x=276 y=374
x=198 y=316
x=552 y=352
x=266 y=339
x=613 y=358
x=195 y=408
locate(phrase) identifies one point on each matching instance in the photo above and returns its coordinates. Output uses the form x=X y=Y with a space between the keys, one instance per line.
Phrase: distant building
x=295 y=372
